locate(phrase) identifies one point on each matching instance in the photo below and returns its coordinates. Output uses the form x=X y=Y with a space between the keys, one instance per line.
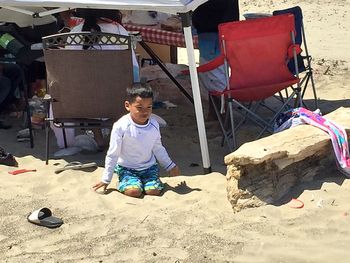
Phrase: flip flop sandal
x=75 y=166
x=20 y=171
x=44 y=217
x=296 y=203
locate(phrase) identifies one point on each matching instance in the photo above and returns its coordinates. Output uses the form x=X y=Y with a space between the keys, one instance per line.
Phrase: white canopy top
x=166 y=6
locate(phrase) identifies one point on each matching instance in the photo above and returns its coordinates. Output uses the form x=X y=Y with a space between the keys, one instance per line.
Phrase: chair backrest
x=299 y=29
x=257 y=53
x=88 y=83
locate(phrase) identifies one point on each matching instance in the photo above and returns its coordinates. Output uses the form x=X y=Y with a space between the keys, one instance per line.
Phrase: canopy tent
x=181 y=7
x=166 y=6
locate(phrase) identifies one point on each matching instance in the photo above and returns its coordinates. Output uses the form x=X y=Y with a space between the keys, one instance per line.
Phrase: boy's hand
x=175 y=171
x=99 y=185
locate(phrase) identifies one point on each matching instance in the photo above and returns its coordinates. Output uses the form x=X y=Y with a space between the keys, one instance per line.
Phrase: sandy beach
x=192 y=221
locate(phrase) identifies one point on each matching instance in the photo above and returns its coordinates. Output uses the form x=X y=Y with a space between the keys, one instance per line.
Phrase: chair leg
x=309 y=68
x=47 y=133
x=244 y=117
x=64 y=136
x=252 y=111
x=281 y=98
x=277 y=113
x=47 y=130
x=314 y=89
x=270 y=126
x=222 y=126
x=305 y=82
x=230 y=107
x=29 y=120
x=256 y=118
x=29 y=124
x=297 y=100
x=228 y=134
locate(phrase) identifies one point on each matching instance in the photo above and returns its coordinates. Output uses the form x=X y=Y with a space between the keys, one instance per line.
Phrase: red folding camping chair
x=255 y=54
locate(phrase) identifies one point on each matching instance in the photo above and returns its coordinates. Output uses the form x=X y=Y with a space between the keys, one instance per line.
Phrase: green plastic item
x=8 y=42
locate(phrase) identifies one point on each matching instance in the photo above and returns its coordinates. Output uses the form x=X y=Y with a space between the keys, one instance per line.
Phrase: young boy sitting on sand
x=135 y=147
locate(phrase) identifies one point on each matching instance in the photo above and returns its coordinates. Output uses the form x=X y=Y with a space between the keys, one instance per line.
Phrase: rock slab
x=263 y=171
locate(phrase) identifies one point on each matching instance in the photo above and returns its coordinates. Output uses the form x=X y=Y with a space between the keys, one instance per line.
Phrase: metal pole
x=186 y=24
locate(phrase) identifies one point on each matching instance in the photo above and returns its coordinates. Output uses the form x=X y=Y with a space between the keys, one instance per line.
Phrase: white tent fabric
x=166 y=6
x=21 y=20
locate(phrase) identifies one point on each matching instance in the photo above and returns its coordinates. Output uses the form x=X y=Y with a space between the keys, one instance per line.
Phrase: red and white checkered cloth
x=159 y=36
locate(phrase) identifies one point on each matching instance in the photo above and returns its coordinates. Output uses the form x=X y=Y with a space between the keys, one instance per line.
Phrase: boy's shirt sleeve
x=113 y=153
x=162 y=155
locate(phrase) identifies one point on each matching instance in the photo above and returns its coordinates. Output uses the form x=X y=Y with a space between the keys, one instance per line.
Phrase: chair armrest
x=213 y=64
x=298 y=50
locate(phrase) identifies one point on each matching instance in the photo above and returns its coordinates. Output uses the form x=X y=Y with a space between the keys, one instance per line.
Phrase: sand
x=192 y=221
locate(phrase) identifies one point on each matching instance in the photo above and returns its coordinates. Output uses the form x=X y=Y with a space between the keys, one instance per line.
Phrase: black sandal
x=7 y=158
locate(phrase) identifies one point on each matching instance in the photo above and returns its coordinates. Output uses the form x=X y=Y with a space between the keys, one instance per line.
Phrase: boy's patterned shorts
x=144 y=180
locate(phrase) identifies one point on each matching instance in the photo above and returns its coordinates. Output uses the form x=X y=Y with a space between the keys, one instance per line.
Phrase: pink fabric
x=337 y=133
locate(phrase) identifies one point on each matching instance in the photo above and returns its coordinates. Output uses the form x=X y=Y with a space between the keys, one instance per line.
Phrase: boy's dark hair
x=141 y=90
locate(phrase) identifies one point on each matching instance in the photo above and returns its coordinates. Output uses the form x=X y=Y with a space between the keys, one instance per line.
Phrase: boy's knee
x=133 y=192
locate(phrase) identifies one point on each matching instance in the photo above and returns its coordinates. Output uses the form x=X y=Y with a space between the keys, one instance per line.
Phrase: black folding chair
x=18 y=50
x=304 y=61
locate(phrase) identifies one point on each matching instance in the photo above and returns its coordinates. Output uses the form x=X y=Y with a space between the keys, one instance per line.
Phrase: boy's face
x=140 y=110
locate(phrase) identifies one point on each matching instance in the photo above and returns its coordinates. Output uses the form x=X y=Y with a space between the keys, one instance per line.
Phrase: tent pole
x=19 y=10
x=53 y=11
x=186 y=24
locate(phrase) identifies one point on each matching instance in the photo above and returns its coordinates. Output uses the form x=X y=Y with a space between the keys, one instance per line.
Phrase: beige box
x=167 y=54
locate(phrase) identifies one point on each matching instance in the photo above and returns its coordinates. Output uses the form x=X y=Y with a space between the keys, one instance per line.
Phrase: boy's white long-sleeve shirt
x=135 y=146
